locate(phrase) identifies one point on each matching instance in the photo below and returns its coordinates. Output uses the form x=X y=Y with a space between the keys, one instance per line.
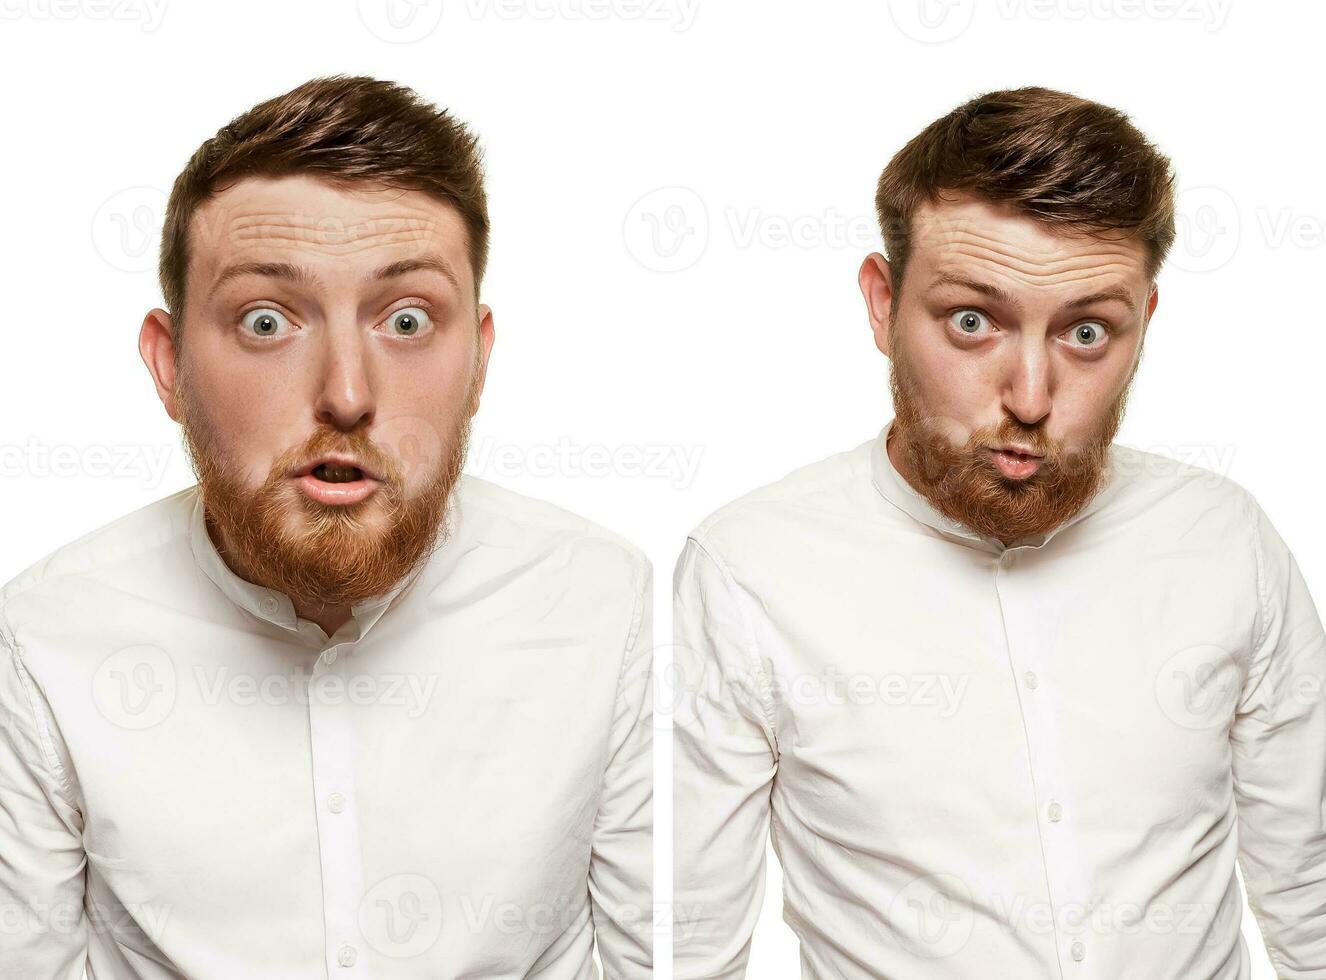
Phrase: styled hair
x=1061 y=159
x=346 y=130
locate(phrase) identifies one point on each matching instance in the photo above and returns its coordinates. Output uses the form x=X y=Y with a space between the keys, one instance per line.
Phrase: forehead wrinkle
x=1074 y=268
x=324 y=230
x=337 y=238
x=300 y=219
x=333 y=250
x=1096 y=248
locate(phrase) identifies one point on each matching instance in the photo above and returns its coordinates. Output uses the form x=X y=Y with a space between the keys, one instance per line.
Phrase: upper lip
x=1013 y=448
x=336 y=459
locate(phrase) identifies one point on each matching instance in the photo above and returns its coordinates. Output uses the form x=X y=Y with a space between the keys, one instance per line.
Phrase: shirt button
x=1056 y=813
x=336 y=803
x=1031 y=680
x=346 y=955
x=268 y=604
x=1079 y=952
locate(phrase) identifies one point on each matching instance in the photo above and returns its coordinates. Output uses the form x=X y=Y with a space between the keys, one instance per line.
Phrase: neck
x=897 y=452
x=330 y=617
x=895 y=447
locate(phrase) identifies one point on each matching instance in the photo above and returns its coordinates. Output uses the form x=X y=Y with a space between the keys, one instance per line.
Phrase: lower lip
x=337 y=494
x=1013 y=466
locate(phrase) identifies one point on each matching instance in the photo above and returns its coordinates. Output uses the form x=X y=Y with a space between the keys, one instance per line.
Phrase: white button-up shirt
x=195 y=782
x=982 y=761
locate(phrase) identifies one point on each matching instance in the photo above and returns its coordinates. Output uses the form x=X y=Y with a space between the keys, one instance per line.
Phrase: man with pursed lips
x=1012 y=700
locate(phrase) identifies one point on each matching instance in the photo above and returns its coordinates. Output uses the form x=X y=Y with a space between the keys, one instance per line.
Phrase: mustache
x=328 y=442
x=1008 y=432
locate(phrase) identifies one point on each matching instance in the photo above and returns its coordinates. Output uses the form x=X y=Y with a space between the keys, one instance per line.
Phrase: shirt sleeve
x=1279 y=757
x=621 y=876
x=725 y=758
x=43 y=926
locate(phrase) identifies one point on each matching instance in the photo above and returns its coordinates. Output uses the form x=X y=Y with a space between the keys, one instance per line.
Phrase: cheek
x=248 y=410
x=421 y=408
x=431 y=384
x=953 y=381
x=1088 y=390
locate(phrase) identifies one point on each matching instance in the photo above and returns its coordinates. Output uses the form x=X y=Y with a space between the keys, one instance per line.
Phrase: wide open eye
x=1088 y=336
x=409 y=322
x=970 y=322
x=266 y=322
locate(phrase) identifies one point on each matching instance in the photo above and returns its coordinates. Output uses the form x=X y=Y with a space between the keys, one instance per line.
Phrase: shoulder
x=530 y=528
x=114 y=554
x=1155 y=480
x=833 y=489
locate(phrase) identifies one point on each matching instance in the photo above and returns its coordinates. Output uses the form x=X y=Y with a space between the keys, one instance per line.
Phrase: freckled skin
x=259 y=397
x=1023 y=364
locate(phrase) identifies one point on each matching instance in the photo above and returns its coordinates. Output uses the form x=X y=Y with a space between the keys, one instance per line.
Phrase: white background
x=681 y=194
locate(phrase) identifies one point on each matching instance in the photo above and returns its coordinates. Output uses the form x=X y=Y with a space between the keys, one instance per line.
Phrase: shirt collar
x=271 y=605
x=897 y=491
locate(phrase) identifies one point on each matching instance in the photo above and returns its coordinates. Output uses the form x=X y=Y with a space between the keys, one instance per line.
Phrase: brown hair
x=347 y=130
x=1061 y=159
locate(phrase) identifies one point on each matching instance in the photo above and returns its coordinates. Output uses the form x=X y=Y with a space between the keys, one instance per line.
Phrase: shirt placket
x=332 y=739
x=1034 y=676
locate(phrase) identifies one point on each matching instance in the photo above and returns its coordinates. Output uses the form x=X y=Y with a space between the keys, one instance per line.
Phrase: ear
x=486 y=337
x=156 y=346
x=876 y=281
x=1152 y=299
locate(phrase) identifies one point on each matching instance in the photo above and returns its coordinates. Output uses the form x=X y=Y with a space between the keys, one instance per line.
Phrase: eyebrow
x=1116 y=292
x=984 y=288
x=301 y=275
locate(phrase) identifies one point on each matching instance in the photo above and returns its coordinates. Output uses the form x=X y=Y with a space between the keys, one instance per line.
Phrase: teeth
x=336 y=473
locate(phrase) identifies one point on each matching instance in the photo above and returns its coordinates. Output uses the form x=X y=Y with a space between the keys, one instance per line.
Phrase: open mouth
x=337 y=482
x=337 y=473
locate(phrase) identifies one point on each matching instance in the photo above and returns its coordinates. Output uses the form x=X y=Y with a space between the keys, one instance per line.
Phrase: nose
x=1027 y=389
x=345 y=397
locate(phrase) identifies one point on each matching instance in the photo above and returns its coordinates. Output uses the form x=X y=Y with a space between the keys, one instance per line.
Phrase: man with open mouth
x=338 y=710
x=1014 y=700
